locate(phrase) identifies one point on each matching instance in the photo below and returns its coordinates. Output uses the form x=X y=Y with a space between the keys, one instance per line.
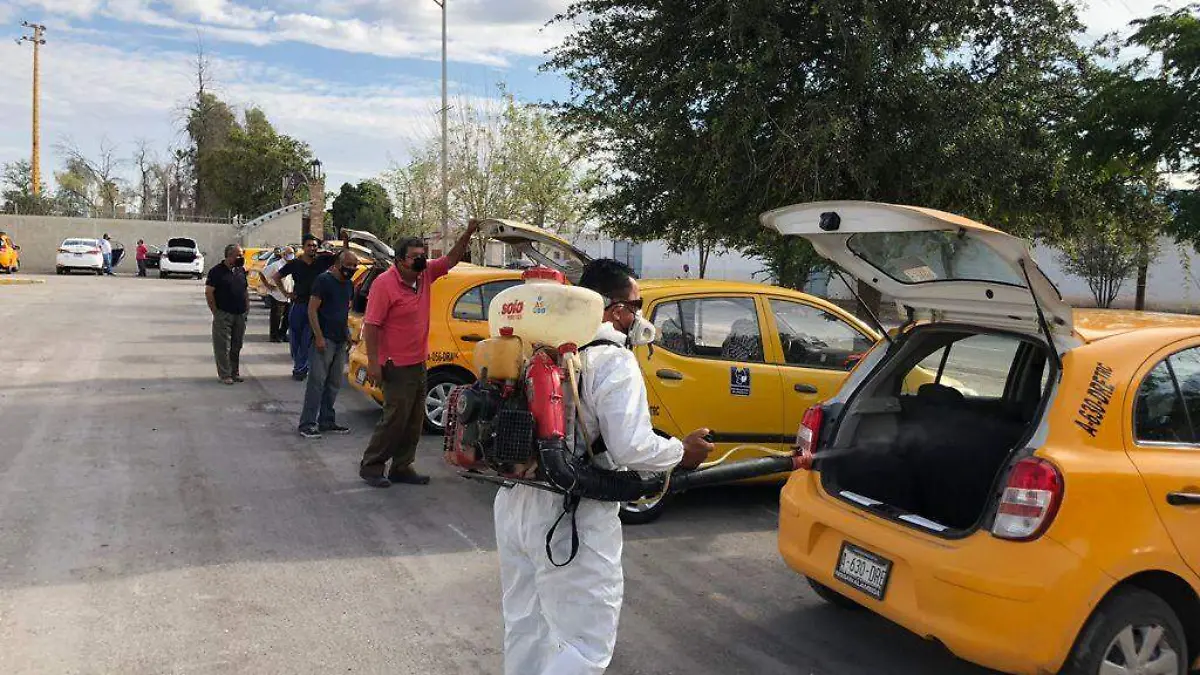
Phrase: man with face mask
x=328 y=316
x=228 y=297
x=303 y=271
x=277 y=298
x=563 y=620
x=396 y=333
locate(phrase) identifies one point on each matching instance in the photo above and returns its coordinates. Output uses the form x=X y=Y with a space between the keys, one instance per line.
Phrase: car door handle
x=667 y=374
x=473 y=338
x=1183 y=499
x=805 y=388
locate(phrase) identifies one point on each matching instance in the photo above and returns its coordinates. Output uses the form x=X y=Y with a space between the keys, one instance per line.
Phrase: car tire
x=162 y=275
x=1141 y=613
x=641 y=513
x=831 y=596
x=438 y=386
x=198 y=277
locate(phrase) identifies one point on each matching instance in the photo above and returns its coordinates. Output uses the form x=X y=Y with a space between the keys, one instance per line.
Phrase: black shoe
x=310 y=432
x=377 y=481
x=335 y=429
x=408 y=477
x=238 y=378
x=299 y=377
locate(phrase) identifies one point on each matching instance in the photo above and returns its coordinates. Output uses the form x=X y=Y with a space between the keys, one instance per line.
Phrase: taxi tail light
x=810 y=431
x=1029 y=501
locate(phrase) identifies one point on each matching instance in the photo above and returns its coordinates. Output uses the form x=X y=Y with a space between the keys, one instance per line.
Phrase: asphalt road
x=155 y=521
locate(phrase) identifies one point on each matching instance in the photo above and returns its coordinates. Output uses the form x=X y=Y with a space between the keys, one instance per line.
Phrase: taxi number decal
x=441 y=357
x=1095 y=401
x=654 y=411
x=739 y=381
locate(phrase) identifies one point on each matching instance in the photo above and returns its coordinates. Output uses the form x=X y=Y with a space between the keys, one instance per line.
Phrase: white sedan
x=79 y=254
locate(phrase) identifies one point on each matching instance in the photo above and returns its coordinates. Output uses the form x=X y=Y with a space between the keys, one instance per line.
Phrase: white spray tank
x=546 y=311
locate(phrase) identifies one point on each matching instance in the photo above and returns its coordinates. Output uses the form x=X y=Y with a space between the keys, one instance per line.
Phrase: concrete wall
x=280 y=231
x=40 y=236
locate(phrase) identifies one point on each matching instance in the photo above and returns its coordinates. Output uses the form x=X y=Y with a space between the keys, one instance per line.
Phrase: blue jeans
x=301 y=337
x=108 y=263
x=324 y=380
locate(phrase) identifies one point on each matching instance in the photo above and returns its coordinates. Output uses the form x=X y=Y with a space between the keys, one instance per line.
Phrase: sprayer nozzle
x=803 y=460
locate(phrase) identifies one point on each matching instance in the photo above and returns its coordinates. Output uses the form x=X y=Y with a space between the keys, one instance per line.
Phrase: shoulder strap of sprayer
x=598 y=447
x=571 y=501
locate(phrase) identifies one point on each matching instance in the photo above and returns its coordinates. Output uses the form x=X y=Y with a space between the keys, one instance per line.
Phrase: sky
x=359 y=80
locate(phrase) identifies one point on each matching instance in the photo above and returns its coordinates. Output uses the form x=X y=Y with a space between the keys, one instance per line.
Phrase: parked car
x=10 y=254
x=153 y=256
x=255 y=263
x=79 y=254
x=743 y=359
x=1048 y=521
x=182 y=257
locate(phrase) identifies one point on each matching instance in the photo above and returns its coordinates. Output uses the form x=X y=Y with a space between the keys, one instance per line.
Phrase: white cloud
x=482 y=32
x=1102 y=17
x=92 y=91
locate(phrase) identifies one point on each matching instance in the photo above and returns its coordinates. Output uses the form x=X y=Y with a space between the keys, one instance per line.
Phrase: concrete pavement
x=155 y=521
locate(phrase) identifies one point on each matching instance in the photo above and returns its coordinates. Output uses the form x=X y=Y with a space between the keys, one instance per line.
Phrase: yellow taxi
x=1041 y=512
x=256 y=260
x=10 y=254
x=743 y=359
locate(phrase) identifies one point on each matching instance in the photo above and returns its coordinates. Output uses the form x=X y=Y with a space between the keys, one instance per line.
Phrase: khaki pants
x=399 y=428
x=228 y=330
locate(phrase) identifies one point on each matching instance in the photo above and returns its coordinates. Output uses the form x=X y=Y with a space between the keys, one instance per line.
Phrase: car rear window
x=79 y=242
x=938 y=255
x=977 y=366
x=181 y=243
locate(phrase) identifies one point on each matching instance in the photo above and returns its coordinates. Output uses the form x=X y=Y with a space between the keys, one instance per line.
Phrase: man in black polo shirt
x=328 y=317
x=303 y=271
x=228 y=298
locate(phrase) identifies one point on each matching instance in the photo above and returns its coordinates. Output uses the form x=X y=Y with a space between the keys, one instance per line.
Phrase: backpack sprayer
x=511 y=426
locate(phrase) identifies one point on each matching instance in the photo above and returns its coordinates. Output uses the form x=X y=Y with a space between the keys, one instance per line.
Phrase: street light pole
x=445 y=142
x=35 y=161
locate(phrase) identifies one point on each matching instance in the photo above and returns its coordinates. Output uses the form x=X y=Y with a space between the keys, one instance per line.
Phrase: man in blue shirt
x=328 y=315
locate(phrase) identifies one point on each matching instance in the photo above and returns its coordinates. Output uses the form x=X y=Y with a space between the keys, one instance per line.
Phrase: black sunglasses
x=635 y=305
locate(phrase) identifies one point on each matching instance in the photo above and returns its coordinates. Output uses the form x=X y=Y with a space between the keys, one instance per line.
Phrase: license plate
x=361 y=376
x=863 y=570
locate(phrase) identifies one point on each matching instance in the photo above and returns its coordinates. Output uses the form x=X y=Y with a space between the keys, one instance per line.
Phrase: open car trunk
x=926 y=436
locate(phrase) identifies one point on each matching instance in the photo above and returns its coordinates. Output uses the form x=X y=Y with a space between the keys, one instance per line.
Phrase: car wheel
x=198 y=277
x=644 y=511
x=437 y=395
x=162 y=275
x=831 y=596
x=100 y=273
x=1133 y=631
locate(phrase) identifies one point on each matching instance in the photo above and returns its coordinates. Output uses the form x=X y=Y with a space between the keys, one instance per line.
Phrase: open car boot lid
x=941 y=266
x=379 y=250
x=538 y=245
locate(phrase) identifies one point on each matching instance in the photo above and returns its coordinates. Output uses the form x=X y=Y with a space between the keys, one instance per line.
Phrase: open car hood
x=941 y=266
x=538 y=245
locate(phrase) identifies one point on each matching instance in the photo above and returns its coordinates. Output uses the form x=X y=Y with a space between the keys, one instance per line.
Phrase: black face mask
x=418 y=264
x=347 y=272
x=239 y=262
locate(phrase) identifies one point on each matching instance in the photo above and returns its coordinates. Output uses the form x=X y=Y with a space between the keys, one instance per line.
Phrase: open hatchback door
x=936 y=265
x=540 y=246
x=368 y=243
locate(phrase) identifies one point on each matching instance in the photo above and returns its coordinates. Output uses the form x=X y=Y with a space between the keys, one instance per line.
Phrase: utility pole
x=35 y=162
x=445 y=139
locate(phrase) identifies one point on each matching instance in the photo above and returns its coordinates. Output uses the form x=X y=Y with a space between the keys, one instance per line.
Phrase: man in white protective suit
x=563 y=620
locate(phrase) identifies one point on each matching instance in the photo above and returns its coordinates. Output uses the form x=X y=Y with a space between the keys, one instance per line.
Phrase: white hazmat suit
x=563 y=620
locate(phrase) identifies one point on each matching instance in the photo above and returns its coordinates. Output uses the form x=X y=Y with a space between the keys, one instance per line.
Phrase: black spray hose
x=580 y=477
x=683 y=479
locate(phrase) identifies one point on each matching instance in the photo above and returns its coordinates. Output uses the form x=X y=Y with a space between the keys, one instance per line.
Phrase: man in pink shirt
x=396 y=332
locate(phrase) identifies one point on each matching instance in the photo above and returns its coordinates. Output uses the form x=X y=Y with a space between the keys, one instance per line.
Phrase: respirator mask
x=641 y=332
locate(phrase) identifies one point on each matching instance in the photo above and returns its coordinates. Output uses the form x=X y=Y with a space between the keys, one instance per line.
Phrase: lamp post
x=445 y=142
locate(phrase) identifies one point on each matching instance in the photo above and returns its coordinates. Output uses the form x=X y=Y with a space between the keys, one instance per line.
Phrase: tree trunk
x=1143 y=272
x=705 y=250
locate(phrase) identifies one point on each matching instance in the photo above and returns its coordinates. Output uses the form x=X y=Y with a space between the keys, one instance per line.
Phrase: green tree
x=16 y=179
x=365 y=206
x=713 y=111
x=244 y=174
x=210 y=126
